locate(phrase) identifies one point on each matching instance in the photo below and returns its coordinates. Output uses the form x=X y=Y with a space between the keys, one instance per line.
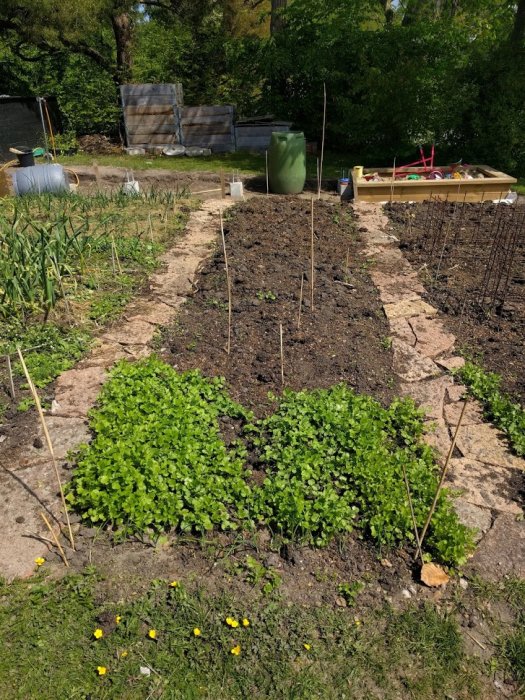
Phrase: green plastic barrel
x=287 y=162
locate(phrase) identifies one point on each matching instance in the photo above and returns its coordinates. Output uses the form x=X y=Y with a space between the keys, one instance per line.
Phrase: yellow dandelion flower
x=174 y=584
x=234 y=624
x=245 y=622
x=152 y=634
x=197 y=632
x=229 y=621
x=98 y=633
x=39 y=561
x=118 y=618
x=307 y=646
x=236 y=650
x=102 y=670
x=123 y=654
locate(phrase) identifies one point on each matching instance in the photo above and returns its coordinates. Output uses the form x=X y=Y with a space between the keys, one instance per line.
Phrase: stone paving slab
x=429 y=395
x=409 y=364
x=473 y=414
x=401 y=328
x=485 y=443
x=476 y=517
x=431 y=337
x=503 y=550
x=484 y=485
x=408 y=309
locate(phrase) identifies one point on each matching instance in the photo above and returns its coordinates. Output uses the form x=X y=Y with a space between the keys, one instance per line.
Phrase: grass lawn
x=519 y=187
x=175 y=642
x=247 y=163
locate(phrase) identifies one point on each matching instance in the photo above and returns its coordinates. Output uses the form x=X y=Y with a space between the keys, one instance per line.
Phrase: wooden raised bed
x=494 y=185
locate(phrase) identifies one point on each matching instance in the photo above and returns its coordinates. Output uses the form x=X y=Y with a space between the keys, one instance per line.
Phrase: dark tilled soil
x=268 y=245
x=452 y=247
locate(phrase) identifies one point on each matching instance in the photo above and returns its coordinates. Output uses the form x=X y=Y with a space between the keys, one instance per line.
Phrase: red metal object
x=426 y=161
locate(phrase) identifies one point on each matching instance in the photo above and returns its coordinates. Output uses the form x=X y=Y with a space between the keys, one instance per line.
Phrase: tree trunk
x=518 y=30
x=122 y=30
x=276 y=22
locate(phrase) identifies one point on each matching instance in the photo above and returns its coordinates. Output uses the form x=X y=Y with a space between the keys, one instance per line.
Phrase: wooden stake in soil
x=150 y=228
x=223 y=185
x=10 y=373
x=48 y=440
x=55 y=538
x=322 y=145
x=312 y=281
x=300 y=302
x=267 y=177
x=282 y=353
x=412 y=514
x=228 y=282
x=393 y=181
x=443 y=475
x=114 y=256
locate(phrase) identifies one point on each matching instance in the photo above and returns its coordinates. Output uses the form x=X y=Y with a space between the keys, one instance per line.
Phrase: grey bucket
x=39 y=179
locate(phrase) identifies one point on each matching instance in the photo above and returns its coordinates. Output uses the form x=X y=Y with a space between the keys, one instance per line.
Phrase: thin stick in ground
x=412 y=514
x=11 y=381
x=282 y=352
x=228 y=282
x=300 y=302
x=312 y=262
x=267 y=176
x=322 y=144
x=55 y=538
x=49 y=443
x=443 y=475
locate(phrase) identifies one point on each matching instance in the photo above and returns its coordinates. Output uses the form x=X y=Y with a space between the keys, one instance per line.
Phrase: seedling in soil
x=266 y=296
x=350 y=591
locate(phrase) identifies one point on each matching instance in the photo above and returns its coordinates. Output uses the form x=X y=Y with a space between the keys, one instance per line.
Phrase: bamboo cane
x=11 y=381
x=322 y=145
x=412 y=514
x=267 y=177
x=55 y=538
x=312 y=260
x=48 y=440
x=282 y=353
x=300 y=302
x=228 y=281
x=443 y=475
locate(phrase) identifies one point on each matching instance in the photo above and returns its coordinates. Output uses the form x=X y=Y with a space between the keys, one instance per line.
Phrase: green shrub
x=157 y=460
x=499 y=408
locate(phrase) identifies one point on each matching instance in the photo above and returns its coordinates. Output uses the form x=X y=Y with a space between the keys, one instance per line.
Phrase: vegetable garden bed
x=471 y=259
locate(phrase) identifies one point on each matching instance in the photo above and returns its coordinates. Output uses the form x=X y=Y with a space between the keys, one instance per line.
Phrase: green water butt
x=287 y=162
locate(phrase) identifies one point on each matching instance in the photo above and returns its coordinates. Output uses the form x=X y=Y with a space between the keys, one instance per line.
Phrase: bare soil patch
x=341 y=339
x=471 y=258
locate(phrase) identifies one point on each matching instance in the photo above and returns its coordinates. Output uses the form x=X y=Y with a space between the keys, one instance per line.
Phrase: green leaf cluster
x=499 y=407
x=158 y=460
x=333 y=460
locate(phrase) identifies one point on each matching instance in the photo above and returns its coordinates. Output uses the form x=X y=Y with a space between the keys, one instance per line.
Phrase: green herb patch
x=333 y=461
x=507 y=415
x=48 y=349
x=70 y=264
x=158 y=460
x=174 y=642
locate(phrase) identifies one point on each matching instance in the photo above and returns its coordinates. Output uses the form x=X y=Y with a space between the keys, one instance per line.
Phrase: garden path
x=481 y=465
x=27 y=476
